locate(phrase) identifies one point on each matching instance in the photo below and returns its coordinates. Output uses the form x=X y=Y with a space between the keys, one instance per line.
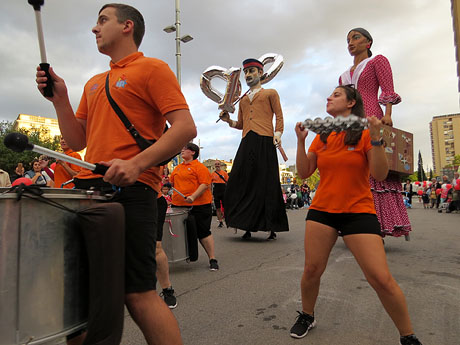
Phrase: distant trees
x=421 y=176
x=38 y=136
x=312 y=181
x=456 y=160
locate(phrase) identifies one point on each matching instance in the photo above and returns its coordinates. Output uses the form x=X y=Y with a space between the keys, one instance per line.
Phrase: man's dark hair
x=194 y=148
x=126 y=12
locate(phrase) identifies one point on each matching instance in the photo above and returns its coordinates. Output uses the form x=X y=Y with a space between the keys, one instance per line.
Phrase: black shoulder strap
x=221 y=176
x=140 y=140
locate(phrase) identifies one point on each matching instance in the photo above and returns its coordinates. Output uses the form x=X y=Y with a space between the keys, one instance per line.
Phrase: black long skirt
x=253 y=197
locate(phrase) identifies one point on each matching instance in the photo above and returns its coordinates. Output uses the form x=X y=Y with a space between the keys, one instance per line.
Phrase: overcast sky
x=415 y=35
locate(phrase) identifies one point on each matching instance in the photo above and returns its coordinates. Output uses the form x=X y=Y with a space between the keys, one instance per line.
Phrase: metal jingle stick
x=337 y=124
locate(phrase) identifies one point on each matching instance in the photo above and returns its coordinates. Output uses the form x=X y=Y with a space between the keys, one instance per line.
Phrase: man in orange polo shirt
x=219 y=180
x=192 y=179
x=149 y=94
x=253 y=198
x=66 y=171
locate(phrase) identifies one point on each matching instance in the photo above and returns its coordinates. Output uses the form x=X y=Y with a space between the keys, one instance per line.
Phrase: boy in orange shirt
x=149 y=94
x=192 y=179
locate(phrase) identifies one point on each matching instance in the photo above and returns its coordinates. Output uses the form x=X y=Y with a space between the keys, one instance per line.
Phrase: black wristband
x=377 y=142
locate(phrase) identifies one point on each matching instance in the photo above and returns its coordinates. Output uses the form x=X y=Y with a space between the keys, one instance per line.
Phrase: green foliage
x=457 y=160
x=312 y=181
x=37 y=136
x=421 y=176
x=412 y=178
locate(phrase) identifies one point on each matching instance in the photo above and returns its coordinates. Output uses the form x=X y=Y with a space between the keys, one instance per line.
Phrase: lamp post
x=186 y=38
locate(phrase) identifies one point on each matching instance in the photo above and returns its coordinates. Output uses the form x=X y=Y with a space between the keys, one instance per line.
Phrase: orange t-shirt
x=217 y=179
x=344 y=175
x=145 y=89
x=186 y=178
x=61 y=175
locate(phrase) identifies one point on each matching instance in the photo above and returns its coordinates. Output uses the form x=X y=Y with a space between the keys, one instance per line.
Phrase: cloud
x=415 y=35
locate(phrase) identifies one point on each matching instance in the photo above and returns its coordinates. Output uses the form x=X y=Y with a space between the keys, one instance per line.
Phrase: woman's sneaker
x=303 y=324
x=409 y=340
x=169 y=298
x=213 y=265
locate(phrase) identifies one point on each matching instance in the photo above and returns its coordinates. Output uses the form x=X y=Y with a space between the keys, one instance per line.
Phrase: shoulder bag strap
x=140 y=140
x=221 y=176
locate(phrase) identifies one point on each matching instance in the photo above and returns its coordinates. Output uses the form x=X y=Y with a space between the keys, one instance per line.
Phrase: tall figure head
x=359 y=42
x=253 y=70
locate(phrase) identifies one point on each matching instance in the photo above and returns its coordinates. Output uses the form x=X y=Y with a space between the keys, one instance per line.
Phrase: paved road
x=253 y=298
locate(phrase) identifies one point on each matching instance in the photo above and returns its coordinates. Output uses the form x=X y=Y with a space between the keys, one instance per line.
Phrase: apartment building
x=445 y=140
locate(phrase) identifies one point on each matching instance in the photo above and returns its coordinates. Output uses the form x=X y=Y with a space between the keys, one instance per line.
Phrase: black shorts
x=347 y=223
x=162 y=208
x=218 y=193
x=203 y=218
x=140 y=205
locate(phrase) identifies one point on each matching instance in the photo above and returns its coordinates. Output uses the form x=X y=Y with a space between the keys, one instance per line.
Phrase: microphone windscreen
x=17 y=142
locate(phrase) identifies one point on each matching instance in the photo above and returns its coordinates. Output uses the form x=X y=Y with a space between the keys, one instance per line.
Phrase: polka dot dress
x=388 y=200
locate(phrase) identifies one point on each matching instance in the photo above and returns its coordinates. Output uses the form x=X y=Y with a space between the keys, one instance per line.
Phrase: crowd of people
x=297 y=197
x=43 y=172
x=442 y=194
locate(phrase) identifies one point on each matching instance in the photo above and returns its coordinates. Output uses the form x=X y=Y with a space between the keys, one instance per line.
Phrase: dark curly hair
x=352 y=136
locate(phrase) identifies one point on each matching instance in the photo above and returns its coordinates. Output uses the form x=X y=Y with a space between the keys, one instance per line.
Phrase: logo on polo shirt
x=93 y=88
x=121 y=82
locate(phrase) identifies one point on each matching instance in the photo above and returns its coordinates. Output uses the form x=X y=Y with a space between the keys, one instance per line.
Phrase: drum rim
x=61 y=334
x=56 y=193
x=177 y=212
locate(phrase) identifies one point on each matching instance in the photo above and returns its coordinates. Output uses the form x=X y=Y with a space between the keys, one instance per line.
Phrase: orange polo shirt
x=186 y=178
x=145 y=89
x=257 y=116
x=217 y=179
x=61 y=175
x=344 y=170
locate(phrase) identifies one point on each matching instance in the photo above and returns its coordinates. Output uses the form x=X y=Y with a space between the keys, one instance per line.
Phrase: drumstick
x=44 y=65
x=174 y=189
x=19 y=142
x=283 y=154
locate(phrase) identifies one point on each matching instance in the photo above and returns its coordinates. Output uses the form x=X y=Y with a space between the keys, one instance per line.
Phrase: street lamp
x=186 y=38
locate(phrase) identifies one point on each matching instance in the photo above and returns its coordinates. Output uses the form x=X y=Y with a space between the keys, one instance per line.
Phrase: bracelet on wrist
x=379 y=142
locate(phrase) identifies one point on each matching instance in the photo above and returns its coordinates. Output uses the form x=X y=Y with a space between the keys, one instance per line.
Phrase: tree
x=431 y=174
x=412 y=178
x=312 y=181
x=457 y=160
x=421 y=176
x=37 y=136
